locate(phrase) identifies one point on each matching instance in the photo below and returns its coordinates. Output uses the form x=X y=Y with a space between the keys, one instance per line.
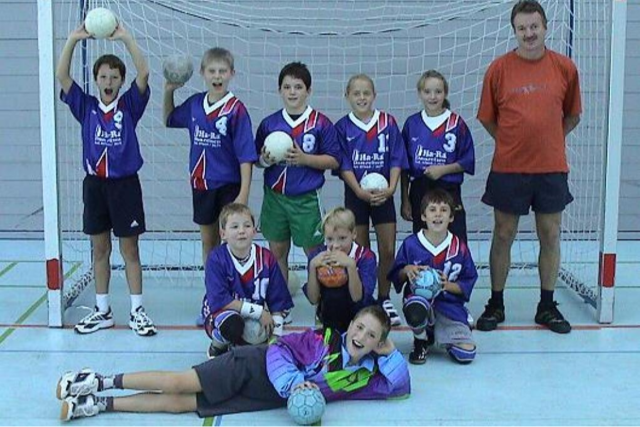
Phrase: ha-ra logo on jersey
x=117 y=120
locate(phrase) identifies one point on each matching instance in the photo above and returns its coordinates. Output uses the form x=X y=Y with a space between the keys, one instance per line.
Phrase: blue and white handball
x=427 y=284
x=306 y=406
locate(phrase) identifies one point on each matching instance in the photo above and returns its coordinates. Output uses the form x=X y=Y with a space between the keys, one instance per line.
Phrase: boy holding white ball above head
x=341 y=273
x=443 y=312
x=291 y=205
x=372 y=147
x=112 y=194
x=361 y=364
x=222 y=151
x=244 y=286
x=440 y=151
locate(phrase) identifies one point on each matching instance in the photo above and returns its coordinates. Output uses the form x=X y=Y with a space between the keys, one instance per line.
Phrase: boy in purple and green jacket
x=361 y=364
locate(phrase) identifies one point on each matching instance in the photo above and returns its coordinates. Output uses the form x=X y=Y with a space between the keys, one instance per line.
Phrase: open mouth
x=357 y=344
x=217 y=85
x=108 y=92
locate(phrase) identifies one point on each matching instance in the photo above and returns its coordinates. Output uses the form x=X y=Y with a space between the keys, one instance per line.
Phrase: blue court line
x=7 y=268
x=33 y=308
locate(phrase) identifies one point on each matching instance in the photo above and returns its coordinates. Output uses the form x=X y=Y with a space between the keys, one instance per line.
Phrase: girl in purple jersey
x=371 y=142
x=362 y=363
x=440 y=151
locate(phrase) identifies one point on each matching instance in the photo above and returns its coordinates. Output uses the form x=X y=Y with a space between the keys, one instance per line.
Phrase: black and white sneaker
x=76 y=384
x=141 y=324
x=391 y=311
x=80 y=407
x=419 y=354
x=95 y=321
x=288 y=317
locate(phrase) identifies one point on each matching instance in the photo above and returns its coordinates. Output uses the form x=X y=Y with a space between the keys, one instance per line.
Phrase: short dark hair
x=528 y=6
x=380 y=315
x=113 y=62
x=296 y=70
x=437 y=195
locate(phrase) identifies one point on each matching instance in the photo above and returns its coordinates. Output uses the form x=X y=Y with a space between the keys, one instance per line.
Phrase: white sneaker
x=141 y=324
x=288 y=317
x=77 y=384
x=79 y=407
x=95 y=321
x=391 y=311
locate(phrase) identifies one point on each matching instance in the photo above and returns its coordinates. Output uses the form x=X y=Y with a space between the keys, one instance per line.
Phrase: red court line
x=303 y=328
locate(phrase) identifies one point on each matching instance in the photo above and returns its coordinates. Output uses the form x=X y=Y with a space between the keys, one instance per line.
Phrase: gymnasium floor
x=522 y=375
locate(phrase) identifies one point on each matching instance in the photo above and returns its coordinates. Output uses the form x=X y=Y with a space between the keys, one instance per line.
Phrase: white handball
x=177 y=68
x=100 y=22
x=277 y=143
x=253 y=332
x=374 y=181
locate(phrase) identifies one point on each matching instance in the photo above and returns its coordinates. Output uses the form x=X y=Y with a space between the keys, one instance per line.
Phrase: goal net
x=393 y=41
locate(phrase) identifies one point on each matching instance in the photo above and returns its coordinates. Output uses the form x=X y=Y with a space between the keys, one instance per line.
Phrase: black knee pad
x=416 y=310
x=230 y=325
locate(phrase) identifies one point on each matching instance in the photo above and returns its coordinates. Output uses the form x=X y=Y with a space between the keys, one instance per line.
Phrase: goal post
x=393 y=41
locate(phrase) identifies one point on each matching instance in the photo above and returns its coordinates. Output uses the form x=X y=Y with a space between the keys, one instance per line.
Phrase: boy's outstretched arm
x=139 y=61
x=64 y=62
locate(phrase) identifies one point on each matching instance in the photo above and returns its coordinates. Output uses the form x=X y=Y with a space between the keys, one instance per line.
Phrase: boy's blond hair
x=235 y=208
x=217 y=53
x=339 y=218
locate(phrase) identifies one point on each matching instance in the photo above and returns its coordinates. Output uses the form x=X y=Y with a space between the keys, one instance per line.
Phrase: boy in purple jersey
x=440 y=150
x=444 y=319
x=291 y=205
x=222 y=149
x=338 y=305
x=111 y=190
x=371 y=143
x=243 y=281
x=361 y=364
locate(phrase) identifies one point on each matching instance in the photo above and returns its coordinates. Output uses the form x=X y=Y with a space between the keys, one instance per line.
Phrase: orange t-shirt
x=528 y=101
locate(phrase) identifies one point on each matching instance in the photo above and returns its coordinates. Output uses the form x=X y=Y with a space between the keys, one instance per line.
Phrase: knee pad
x=416 y=311
x=225 y=327
x=461 y=355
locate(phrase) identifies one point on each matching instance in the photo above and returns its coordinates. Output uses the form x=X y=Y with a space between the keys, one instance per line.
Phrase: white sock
x=102 y=302
x=136 y=301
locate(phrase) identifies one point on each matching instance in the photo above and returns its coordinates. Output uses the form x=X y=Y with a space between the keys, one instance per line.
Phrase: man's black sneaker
x=548 y=315
x=490 y=318
x=419 y=354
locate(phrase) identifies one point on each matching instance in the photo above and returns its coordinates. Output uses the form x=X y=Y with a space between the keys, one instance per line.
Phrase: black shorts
x=383 y=214
x=515 y=193
x=236 y=382
x=207 y=204
x=420 y=187
x=113 y=203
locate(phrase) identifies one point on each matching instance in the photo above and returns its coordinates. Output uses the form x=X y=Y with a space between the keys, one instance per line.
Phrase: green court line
x=33 y=308
x=7 y=268
x=208 y=421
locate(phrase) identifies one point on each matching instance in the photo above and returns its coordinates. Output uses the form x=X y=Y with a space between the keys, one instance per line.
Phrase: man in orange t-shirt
x=530 y=102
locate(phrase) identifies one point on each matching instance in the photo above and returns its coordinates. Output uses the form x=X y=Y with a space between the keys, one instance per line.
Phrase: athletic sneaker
x=141 y=324
x=95 y=321
x=489 y=319
x=548 y=315
x=391 y=311
x=288 y=317
x=419 y=354
x=81 y=406
x=78 y=384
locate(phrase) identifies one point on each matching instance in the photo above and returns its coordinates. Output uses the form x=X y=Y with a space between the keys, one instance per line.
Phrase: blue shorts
x=383 y=214
x=207 y=204
x=113 y=203
x=515 y=193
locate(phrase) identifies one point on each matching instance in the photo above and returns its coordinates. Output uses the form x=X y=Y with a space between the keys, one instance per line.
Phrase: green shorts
x=292 y=217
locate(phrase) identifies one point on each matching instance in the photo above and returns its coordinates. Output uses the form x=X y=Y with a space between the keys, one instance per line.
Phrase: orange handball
x=332 y=277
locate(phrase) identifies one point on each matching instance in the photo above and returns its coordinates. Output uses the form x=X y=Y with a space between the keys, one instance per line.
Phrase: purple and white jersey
x=365 y=263
x=452 y=257
x=315 y=134
x=110 y=147
x=440 y=140
x=221 y=139
x=258 y=281
x=376 y=146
